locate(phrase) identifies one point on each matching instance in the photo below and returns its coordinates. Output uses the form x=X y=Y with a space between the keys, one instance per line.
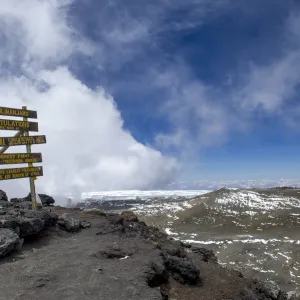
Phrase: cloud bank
x=88 y=148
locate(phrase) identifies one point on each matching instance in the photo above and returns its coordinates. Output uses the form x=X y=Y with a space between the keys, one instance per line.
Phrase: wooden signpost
x=21 y=138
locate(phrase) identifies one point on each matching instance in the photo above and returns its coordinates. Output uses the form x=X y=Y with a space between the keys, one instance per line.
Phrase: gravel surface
x=119 y=258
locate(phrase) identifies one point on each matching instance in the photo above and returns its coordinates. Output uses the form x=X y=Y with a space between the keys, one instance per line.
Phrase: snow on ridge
x=254 y=200
x=137 y=194
x=243 y=241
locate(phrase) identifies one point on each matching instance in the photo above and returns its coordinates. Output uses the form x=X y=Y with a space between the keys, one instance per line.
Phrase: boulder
x=172 y=249
x=157 y=274
x=3 y=196
x=10 y=222
x=46 y=200
x=182 y=270
x=30 y=226
x=23 y=204
x=270 y=289
x=49 y=218
x=16 y=200
x=206 y=254
x=68 y=223
x=126 y=216
x=9 y=241
x=22 y=226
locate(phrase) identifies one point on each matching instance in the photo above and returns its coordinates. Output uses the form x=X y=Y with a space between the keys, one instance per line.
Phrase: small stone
x=68 y=223
x=85 y=224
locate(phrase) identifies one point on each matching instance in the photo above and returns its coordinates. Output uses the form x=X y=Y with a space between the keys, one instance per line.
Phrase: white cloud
x=201 y=116
x=88 y=148
x=35 y=31
x=205 y=115
x=269 y=88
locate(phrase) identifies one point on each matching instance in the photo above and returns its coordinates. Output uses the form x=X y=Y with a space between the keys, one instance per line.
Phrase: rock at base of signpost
x=26 y=201
x=46 y=199
x=21 y=204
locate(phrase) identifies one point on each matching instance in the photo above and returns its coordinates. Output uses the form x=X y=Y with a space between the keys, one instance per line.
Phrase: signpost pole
x=31 y=179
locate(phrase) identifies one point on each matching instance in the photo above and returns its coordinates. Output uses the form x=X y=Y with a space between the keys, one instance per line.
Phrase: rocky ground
x=59 y=253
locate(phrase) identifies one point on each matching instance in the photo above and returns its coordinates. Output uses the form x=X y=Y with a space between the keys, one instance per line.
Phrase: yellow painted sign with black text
x=18 y=125
x=14 y=112
x=20 y=158
x=16 y=173
x=23 y=140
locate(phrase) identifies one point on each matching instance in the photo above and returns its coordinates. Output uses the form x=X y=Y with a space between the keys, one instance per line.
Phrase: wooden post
x=31 y=179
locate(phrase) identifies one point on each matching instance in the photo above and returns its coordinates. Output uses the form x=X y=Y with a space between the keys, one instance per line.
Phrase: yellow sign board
x=14 y=112
x=18 y=125
x=23 y=140
x=20 y=158
x=16 y=173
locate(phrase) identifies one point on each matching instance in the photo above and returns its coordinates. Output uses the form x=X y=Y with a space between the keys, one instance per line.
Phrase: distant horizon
x=176 y=186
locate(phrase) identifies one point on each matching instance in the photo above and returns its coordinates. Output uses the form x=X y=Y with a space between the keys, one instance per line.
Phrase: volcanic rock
x=46 y=199
x=27 y=223
x=3 y=196
x=4 y=204
x=270 y=289
x=126 y=259
x=182 y=270
x=49 y=218
x=127 y=216
x=157 y=274
x=172 y=249
x=16 y=200
x=68 y=223
x=206 y=254
x=85 y=224
x=3 y=211
x=9 y=241
x=30 y=226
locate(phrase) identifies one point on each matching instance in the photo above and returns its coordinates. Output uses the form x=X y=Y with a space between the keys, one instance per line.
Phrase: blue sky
x=156 y=91
x=212 y=45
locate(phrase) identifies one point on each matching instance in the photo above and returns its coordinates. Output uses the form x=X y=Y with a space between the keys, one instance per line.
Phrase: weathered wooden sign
x=23 y=140
x=20 y=158
x=18 y=125
x=14 y=112
x=16 y=173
